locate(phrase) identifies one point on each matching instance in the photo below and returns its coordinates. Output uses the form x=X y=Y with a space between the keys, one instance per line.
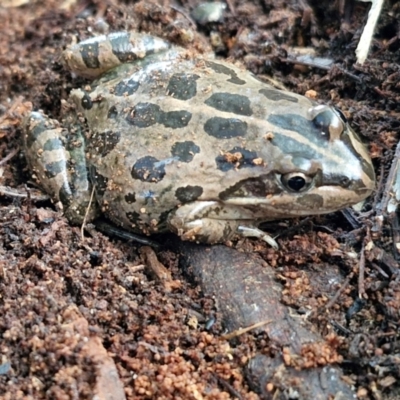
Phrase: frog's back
x=169 y=130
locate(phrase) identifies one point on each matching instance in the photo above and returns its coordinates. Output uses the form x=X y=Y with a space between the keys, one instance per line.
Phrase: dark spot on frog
x=126 y=87
x=148 y=169
x=53 y=144
x=144 y=115
x=291 y=146
x=98 y=180
x=236 y=158
x=222 y=69
x=130 y=198
x=86 y=102
x=175 y=119
x=90 y=54
x=133 y=216
x=188 y=193
x=120 y=44
x=54 y=168
x=255 y=187
x=112 y=113
x=104 y=142
x=234 y=103
x=185 y=151
x=225 y=128
x=299 y=124
x=182 y=86
x=37 y=126
x=276 y=95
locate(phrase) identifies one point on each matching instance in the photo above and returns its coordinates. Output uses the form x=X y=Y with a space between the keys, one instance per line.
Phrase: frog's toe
x=247 y=231
x=191 y=234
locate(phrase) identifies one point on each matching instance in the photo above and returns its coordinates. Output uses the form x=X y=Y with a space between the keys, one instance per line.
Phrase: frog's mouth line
x=321 y=201
x=286 y=205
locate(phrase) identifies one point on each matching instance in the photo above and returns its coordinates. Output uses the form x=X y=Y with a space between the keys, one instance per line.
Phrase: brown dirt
x=79 y=318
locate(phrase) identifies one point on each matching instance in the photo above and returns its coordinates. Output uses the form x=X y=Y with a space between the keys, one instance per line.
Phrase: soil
x=111 y=318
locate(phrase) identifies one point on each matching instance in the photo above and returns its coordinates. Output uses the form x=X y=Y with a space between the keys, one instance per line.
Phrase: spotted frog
x=171 y=140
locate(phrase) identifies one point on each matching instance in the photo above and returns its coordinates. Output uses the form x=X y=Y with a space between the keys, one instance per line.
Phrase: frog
x=164 y=139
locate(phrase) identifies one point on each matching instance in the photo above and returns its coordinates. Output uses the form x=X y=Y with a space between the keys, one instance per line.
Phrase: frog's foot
x=208 y=228
x=61 y=172
x=92 y=57
x=216 y=231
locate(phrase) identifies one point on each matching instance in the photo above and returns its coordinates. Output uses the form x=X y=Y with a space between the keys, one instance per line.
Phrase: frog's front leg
x=213 y=222
x=57 y=158
x=93 y=57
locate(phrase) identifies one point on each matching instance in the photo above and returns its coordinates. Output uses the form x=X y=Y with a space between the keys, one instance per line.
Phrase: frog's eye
x=296 y=181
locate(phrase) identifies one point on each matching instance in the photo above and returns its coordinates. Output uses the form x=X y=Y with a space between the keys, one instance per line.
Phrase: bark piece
x=246 y=292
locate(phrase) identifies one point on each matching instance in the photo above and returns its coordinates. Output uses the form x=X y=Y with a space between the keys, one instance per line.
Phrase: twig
x=361 y=273
x=391 y=192
x=241 y=331
x=365 y=40
x=184 y=13
x=332 y=301
x=226 y=385
x=9 y=156
x=86 y=214
x=9 y=192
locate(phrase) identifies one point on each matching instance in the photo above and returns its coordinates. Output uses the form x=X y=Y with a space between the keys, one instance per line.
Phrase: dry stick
x=86 y=214
x=227 y=386
x=9 y=156
x=29 y=202
x=361 y=273
x=241 y=331
x=380 y=270
x=332 y=301
x=391 y=195
x=366 y=37
x=184 y=13
x=390 y=200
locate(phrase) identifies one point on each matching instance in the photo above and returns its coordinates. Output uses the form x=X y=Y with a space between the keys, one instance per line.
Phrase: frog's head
x=320 y=166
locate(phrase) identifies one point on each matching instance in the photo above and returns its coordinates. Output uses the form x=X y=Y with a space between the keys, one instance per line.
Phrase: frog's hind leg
x=58 y=162
x=93 y=57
